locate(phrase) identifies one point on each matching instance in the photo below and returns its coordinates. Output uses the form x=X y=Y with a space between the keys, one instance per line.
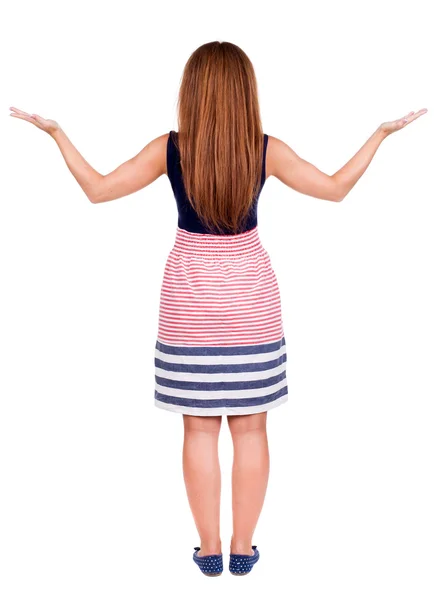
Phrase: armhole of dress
x=169 y=154
x=265 y=144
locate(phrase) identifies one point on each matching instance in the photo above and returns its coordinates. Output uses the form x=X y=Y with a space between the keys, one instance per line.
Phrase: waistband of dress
x=208 y=244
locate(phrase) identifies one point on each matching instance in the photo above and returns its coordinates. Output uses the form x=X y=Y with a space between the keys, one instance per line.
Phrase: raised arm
x=304 y=177
x=129 y=177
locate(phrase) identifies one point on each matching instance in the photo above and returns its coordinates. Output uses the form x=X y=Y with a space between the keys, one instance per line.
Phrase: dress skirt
x=220 y=346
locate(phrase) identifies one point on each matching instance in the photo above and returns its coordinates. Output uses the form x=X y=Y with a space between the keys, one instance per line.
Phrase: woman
x=220 y=348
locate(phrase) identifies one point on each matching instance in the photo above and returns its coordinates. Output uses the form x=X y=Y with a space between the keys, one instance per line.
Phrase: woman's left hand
x=47 y=125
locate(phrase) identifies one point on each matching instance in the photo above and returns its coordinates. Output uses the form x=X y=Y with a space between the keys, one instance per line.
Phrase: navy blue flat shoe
x=211 y=564
x=241 y=564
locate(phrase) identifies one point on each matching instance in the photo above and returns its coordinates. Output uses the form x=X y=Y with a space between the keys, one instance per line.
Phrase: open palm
x=47 y=125
x=391 y=126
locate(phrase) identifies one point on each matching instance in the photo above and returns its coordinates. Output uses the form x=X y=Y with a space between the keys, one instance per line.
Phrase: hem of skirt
x=223 y=410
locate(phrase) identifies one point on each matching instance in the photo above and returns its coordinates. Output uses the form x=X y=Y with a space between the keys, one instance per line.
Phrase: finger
x=422 y=111
x=20 y=112
x=418 y=114
x=32 y=117
x=24 y=117
x=406 y=118
x=19 y=116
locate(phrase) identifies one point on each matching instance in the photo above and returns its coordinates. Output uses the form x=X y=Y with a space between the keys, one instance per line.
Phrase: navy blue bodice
x=187 y=216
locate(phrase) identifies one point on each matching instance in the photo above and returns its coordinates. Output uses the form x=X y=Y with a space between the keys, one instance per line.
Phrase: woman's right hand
x=391 y=126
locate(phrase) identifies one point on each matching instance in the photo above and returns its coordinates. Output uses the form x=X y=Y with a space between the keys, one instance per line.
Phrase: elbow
x=93 y=198
x=338 y=191
x=90 y=195
x=335 y=196
x=96 y=191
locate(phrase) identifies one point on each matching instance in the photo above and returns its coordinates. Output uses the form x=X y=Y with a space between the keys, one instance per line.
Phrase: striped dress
x=220 y=347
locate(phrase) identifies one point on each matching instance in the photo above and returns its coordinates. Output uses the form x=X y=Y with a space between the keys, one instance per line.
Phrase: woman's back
x=188 y=219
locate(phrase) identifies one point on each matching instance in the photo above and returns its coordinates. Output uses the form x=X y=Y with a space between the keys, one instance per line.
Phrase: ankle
x=241 y=547
x=210 y=548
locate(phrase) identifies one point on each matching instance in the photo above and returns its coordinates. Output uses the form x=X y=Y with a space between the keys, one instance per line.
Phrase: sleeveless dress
x=220 y=347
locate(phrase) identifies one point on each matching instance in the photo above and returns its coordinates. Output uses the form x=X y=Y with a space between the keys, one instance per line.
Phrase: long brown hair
x=220 y=135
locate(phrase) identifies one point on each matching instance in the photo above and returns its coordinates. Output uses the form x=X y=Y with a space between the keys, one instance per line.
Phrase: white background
x=92 y=502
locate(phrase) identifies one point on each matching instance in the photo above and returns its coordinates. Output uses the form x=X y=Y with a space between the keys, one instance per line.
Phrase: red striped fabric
x=219 y=290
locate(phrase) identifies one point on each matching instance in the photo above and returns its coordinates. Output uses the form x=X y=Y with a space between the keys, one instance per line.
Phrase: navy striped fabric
x=234 y=378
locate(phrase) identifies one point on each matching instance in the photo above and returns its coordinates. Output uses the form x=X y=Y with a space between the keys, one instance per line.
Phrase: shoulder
x=156 y=152
x=157 y=145
x=160 y=141
x=278 y=152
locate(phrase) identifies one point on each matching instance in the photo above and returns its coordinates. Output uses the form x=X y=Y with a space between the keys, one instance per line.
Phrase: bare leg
x=249 y=477
x=202 y=477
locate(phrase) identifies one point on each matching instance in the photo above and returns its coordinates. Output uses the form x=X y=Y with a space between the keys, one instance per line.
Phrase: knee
x=243 y=424
x=204 y=424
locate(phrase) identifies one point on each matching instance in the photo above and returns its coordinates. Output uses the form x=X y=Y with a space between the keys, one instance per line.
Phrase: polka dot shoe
x=241 y=564
x=211 y=564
